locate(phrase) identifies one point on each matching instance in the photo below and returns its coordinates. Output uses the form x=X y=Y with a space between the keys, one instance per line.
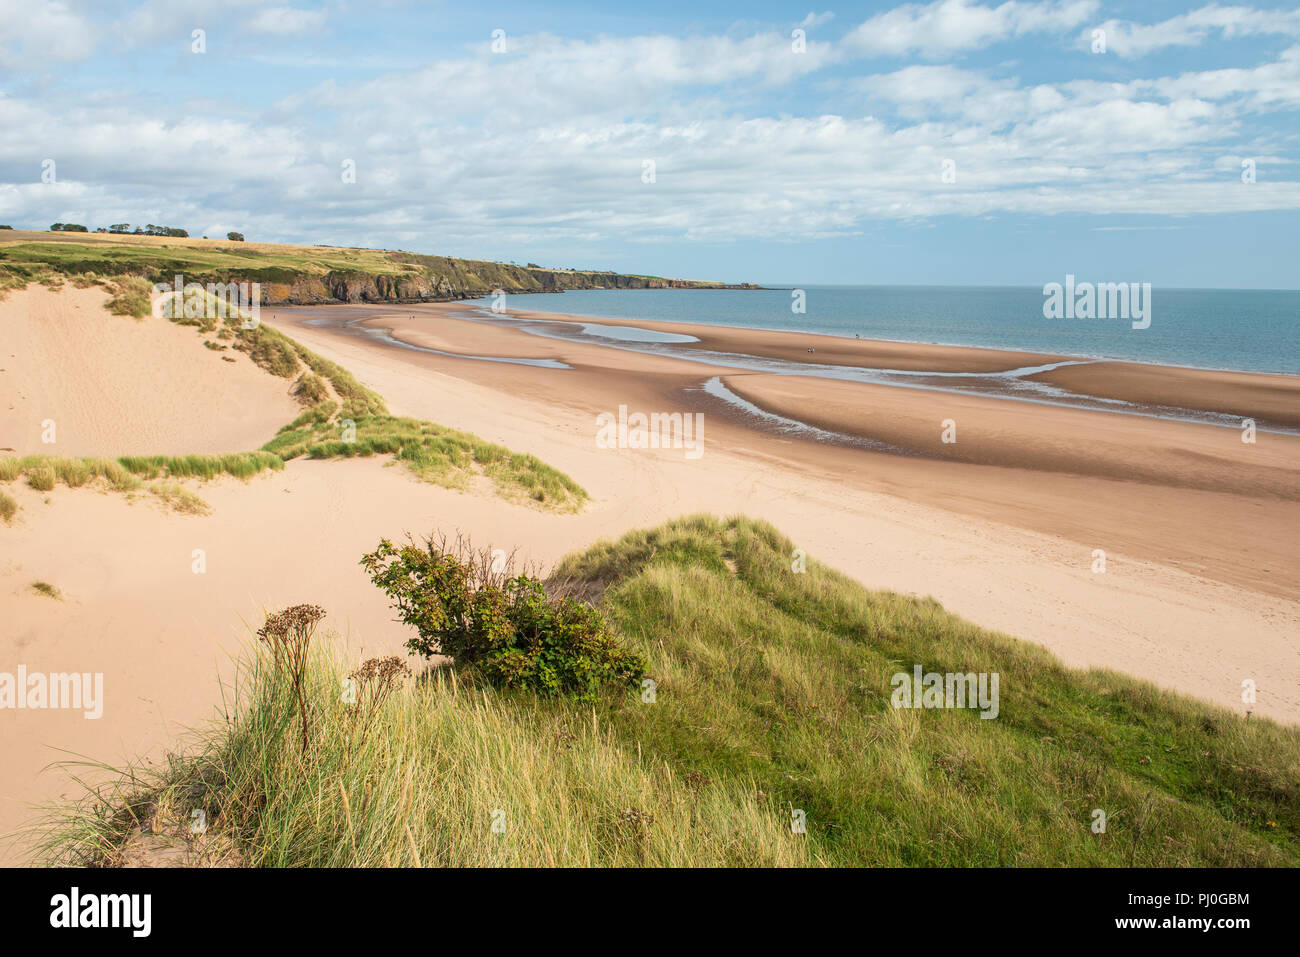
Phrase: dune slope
x=113 y=385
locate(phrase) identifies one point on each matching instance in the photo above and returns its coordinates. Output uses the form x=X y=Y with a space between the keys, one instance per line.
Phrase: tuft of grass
x=8 y=507
x=129 y=296
x=42 y=478
x=772 y=696
x=180 y=499
x=12 y=280
x=47 y=590
x=268 y=348
x=310 y=389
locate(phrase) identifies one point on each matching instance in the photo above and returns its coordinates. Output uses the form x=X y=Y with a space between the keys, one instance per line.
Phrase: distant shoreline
x=1042 y=464
x=681 y=324
x=1272 y=398
x=1223 y=399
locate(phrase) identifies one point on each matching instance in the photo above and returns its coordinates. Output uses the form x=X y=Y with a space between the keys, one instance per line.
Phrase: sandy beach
x=1127 y=484
x=1201 y=588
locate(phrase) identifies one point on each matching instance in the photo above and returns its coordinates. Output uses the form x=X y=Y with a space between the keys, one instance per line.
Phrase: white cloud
x=36 y=34
x=287 y=20
x=545 y=144
x=155 y=21
x=949 y=26
x=816 y=19
x=1127 y=39
x=548 y=76
x=1267 y=87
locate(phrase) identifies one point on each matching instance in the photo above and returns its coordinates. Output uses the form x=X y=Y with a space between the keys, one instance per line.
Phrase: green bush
x=502 y=626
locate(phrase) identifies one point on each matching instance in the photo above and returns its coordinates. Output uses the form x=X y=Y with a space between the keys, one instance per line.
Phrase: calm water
x=1249 y=330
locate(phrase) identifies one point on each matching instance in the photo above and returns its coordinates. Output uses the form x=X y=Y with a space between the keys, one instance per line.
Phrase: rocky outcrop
x=359 y=287
x=334 y=288
x=610 y=280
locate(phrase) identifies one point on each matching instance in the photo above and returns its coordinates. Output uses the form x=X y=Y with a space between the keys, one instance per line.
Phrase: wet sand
x=1191 y=495
x=1243 y=394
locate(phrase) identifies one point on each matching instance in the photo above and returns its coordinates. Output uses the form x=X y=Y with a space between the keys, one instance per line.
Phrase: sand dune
x=114 y=386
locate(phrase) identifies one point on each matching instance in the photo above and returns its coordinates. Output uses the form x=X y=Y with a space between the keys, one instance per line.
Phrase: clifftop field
x=297 y=274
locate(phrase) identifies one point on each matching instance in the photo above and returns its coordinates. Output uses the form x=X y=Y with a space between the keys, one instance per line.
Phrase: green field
x=772 y=706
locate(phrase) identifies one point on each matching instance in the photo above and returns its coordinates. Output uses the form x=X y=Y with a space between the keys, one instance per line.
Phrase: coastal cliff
x=303 y=275
x=451 y=280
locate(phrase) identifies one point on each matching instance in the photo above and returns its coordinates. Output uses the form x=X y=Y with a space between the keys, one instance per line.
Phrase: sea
x=1248 y=330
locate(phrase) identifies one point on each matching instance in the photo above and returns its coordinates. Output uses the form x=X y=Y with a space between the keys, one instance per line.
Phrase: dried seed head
x=297 y=619
x=381 y=670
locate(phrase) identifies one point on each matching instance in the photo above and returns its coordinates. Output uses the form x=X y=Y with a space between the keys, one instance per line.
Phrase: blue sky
x=774 y=161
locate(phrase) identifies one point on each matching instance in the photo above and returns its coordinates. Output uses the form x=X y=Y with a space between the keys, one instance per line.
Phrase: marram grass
x=435 y=453
x=448 y=775
x=43 y=472
x=771 y=705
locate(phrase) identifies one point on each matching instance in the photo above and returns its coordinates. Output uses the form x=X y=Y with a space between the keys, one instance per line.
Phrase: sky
x=953 y=142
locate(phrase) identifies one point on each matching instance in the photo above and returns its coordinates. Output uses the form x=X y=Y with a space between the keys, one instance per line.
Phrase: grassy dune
x=433 y=452
x=773 y=696
x=334 y=398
